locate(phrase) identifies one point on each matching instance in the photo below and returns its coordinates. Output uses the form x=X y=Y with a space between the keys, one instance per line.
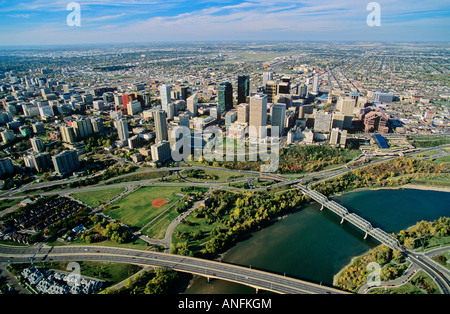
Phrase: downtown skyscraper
x=243 y=88
x=258 y=114
x=225 y=96
x=165 y=96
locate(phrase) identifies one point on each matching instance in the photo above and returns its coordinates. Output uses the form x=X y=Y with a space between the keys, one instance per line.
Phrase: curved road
x=210 y=269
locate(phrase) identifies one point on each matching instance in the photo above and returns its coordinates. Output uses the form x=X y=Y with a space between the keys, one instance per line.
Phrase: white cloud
x=249 y=19
x=106 y=17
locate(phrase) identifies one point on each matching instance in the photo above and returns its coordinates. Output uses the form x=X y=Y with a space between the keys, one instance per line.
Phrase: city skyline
x=42 y=22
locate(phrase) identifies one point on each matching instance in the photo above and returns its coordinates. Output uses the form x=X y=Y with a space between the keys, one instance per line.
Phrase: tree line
x=391 y=173
x=392 y=263
x=236 y=214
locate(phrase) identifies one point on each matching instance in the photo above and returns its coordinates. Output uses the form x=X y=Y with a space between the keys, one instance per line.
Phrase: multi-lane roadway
x=207 y=268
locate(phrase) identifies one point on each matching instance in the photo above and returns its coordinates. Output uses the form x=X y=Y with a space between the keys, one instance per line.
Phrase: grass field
x=193 y=225
x=157 y=229
x=8 y=203
x=136 y=210
x=96 y=198
x=437 y=179
x=223 y=175
x=426 y=142
x=139 y=177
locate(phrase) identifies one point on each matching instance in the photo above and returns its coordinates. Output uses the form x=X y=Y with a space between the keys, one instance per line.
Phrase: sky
x=44 y=22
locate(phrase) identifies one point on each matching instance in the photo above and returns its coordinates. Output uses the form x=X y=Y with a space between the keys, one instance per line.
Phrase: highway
x=441 y=280
x=206 y=268
x=210 y=269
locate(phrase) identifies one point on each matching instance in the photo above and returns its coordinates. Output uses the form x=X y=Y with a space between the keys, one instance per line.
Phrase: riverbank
x=422 y=229
x=398 y=187
x=312 y=245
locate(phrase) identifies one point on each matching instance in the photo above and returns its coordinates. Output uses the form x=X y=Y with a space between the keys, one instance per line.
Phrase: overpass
x=341 y=211
x=210 y=269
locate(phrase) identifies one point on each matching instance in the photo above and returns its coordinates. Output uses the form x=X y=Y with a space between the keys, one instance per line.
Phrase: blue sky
x=37 y=22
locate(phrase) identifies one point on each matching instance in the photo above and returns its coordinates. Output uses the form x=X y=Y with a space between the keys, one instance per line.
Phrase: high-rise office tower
x=6 y=166
x=108 y=97
x=338 y=120
x=122 y=129
x=271 y=90
x=126 y=99
x=164 y=91
x=277 y=118
x=243 y=88
x=346 y=106
x=184 y=120
x=322 y=121
x=305 y=110
x=185 y=92
x=7 y=136
x=134 y=108
x=216 y=113
x=147 y=99
x=82 y=128
x=171 y=111
x=98 y=104
x=160 y=151
x=338 y=137
x=66 y=162
x=315 y=87
x=242 y=113
x=284 y=87
x=267 y=76
x=118 y=100
x=37 y=144
x=67 y=134
x=230 y=117
x=42 y=162
x=159 y=117
x=192 y=105
x=302 y=90
x=97 y=124
x=225 y=96
x=258 y=114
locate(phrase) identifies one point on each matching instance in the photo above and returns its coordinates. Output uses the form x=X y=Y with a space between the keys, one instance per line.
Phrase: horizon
x=224 y=42
x=45 y=22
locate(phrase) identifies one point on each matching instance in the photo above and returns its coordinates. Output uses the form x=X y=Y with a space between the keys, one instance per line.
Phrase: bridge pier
x=342 y=220
x=257 y=290
x=321 y=208
x=208 y=279
x=367 y=234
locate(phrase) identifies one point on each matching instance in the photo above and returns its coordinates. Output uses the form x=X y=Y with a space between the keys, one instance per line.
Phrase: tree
x=384 y=255
x=409 y=242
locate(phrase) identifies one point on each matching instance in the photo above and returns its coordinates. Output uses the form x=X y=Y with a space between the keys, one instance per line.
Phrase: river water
x=312 y=244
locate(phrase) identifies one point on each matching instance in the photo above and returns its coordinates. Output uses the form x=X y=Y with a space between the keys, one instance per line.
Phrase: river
x=311 y=244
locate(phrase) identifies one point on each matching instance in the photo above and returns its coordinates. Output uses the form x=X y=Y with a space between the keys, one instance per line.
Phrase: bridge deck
x=206 y=268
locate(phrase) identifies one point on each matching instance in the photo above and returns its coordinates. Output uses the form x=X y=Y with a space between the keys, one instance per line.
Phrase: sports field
x=143 y=205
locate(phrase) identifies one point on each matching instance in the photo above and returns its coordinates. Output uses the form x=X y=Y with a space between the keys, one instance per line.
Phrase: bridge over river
x=359 y=222
x=207 y=268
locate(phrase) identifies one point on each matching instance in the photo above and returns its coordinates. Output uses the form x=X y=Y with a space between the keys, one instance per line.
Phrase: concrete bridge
x=207 y=268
